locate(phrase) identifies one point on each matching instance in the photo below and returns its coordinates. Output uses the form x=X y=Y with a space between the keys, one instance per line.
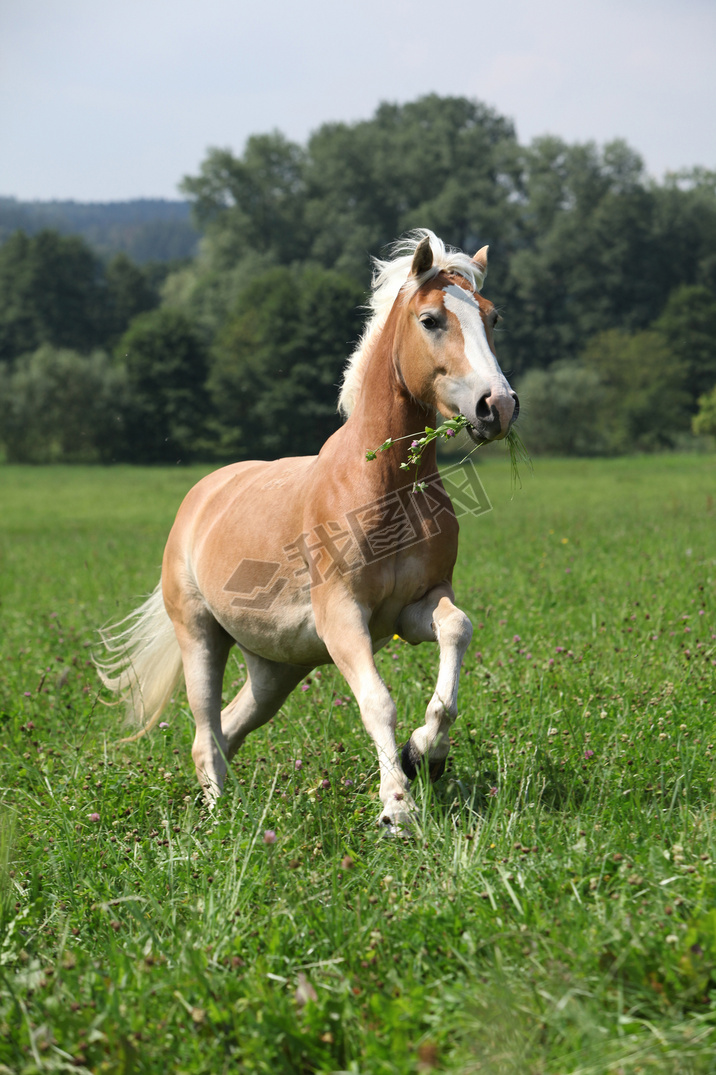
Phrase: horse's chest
x=404 y=582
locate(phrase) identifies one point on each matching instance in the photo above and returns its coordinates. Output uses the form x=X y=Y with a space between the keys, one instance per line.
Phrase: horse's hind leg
x=267 y=686
x=205 y=648
x=436 y=619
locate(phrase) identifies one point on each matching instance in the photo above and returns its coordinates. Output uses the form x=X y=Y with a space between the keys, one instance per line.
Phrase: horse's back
x=234 y=496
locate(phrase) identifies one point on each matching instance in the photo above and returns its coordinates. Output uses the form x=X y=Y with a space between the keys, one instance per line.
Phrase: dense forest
x=605 y=279
x=145 y=229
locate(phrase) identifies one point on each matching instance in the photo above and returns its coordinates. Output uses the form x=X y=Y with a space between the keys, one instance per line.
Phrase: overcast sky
x=114 y=100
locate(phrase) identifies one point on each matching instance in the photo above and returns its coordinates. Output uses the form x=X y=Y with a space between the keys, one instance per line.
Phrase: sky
x=121 y=99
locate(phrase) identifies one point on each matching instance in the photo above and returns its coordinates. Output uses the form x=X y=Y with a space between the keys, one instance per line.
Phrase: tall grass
x=557 y=913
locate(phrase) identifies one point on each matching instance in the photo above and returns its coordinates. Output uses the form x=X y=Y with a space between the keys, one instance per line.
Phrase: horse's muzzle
x=494 y=415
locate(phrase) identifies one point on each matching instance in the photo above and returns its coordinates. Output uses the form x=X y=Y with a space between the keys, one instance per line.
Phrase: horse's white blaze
x=477 y=350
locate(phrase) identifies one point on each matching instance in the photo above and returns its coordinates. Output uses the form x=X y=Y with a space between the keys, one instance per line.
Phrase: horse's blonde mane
x=389 y=279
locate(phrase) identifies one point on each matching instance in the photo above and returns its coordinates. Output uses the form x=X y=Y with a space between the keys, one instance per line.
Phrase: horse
x=304 y=561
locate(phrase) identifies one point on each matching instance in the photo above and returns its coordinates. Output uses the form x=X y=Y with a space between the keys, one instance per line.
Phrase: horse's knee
x=455 y=630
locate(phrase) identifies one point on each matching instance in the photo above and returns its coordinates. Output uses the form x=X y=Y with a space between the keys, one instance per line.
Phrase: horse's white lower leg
x=379 y=717
x=345 y=633
x=436 y=618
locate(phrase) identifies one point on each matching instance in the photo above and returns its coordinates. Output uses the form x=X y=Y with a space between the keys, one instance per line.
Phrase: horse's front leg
x=436 y=619
x=343 y=626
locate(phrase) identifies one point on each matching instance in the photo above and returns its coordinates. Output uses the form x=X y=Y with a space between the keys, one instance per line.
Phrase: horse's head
x=445 y=340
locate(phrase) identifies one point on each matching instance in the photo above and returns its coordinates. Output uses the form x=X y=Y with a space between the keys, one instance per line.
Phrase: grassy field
x=557 y=914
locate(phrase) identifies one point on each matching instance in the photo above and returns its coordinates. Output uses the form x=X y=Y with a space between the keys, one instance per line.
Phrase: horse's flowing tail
x=144 y=663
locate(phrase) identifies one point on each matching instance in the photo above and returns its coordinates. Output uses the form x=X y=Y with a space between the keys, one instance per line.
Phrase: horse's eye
x=428 y=322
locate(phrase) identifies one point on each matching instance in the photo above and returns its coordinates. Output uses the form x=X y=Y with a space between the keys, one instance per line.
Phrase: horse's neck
x=385 y=409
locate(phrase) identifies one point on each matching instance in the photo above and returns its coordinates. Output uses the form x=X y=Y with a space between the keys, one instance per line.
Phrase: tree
x=581 y=240
x=625 y=393
x=277 y=364
x=447 y=163
x=704 y=423
x=50 y=292
x=686 y=218
x=591 y=257
x=645 y=403
x=59 y=406
x=255 y=202
x=563 y=410
x=606 y=282
x=129 y=292
x=688 y=325
x=166 y=363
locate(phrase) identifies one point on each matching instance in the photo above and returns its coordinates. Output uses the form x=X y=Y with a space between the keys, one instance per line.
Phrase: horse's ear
x=422 y=258
x=480 y=260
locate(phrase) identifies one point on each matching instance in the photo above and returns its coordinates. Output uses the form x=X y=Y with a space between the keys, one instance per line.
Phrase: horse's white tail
x=144 y=664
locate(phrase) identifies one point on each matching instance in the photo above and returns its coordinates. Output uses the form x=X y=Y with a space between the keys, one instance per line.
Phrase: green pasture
x=555 y=916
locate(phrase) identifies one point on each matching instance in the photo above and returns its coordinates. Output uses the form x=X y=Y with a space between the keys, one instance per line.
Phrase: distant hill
x=146 y=229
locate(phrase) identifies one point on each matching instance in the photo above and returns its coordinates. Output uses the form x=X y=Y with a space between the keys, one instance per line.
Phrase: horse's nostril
x=488 y=415
x=483 y=409
x=516 y=412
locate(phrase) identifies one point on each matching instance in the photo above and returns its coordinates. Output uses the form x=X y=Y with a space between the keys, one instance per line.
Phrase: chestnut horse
x=304 y=561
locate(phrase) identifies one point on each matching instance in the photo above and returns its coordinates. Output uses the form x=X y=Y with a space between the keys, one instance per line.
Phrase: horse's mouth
x=491 y=423
x=484 y=430
x=488 y=432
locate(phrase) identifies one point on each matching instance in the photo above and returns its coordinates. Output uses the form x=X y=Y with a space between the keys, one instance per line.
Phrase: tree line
x=605 y=279
x=145 y=229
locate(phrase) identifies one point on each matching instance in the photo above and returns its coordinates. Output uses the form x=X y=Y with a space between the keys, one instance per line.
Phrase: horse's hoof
x=402 y=826
x=410 y=760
